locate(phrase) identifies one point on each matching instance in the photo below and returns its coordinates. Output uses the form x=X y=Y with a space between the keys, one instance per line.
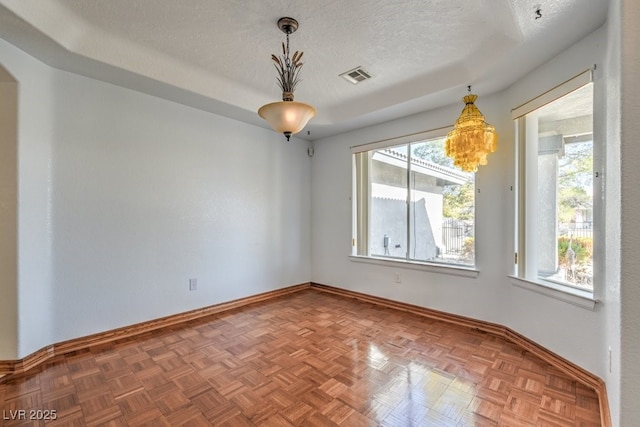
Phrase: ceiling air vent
x=356 y=75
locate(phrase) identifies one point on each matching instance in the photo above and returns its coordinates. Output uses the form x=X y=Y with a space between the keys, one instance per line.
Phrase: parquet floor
x=309 y=358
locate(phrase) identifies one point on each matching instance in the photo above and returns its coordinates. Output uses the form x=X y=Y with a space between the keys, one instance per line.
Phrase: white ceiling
x=215 y=54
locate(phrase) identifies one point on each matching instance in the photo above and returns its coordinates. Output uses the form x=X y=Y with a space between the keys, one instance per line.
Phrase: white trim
x=552 y=94
x=402 y=140
x=454 y=270
x=577 y=297
x=526 y=209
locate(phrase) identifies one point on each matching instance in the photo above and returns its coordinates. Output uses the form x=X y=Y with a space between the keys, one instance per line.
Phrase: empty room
x=278 y=213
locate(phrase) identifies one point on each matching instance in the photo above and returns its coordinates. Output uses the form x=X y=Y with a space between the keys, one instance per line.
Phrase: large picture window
x=413 y=204
x=556 y=187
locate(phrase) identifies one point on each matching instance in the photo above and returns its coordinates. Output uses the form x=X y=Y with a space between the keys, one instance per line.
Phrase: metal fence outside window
x=454 y=233
x=576 y=229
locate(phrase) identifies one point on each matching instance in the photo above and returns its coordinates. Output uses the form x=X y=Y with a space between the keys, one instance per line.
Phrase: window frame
x=522 y=274
x=360 y=209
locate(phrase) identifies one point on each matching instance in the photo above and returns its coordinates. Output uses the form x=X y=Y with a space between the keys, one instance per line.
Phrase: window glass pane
x=441 y=206
x=412 y=203
x=564 y=223
x=388 y=202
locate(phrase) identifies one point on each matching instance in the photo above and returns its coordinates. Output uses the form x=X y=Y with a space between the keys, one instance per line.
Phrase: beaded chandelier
x=472 y=139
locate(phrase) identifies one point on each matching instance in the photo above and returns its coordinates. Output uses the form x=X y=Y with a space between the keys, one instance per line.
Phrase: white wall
x=34 y=294
x=124 y=197
x=630 y=212
x=8 y=217
x=573 y=332
x=611 y=321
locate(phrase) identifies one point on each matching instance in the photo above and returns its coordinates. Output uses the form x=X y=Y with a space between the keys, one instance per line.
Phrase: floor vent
x=356 y=75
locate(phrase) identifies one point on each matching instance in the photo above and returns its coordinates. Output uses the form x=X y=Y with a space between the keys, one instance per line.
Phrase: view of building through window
x=420 y=207
x=557 y=190
x=565 y=189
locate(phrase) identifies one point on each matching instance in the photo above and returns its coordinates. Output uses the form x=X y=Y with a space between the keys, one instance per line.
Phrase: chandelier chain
x=287 y=61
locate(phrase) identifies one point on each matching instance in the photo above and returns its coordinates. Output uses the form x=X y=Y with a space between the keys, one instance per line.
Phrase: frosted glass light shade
x=288 y=117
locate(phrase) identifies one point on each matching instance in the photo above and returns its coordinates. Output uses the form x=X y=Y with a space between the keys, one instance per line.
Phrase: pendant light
x=287 y=116
x=471 y=139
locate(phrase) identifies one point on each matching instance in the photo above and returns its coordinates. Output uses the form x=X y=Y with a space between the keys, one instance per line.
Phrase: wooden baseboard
x=570 y=369
x=10 y=368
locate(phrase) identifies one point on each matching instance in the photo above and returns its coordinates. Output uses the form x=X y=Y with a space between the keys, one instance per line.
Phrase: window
x=412 y=204
x=556 y=202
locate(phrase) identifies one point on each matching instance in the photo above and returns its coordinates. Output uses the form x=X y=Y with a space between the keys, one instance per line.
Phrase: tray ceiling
x=215 y=55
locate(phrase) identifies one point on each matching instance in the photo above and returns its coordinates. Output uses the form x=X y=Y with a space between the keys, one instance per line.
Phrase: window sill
x=577 y=297
x=455 y=270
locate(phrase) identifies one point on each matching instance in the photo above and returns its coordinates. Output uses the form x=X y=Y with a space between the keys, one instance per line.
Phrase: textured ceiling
x=215 y=54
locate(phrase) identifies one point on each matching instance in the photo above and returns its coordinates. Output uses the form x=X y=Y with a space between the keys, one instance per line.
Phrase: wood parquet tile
x=309 y=358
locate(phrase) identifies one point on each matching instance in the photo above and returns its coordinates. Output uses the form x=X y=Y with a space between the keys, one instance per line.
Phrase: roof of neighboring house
x=448 y=175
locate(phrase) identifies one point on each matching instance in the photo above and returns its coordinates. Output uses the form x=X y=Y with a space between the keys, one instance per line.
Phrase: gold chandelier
x=288 y=116
x=472 y=139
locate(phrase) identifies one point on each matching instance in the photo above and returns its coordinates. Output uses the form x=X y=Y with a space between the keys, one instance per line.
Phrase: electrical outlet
x=397 y=278
x=193 y=284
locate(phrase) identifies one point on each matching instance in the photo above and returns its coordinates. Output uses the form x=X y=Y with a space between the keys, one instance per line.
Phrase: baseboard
x=572 y=370
x=10 y=368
